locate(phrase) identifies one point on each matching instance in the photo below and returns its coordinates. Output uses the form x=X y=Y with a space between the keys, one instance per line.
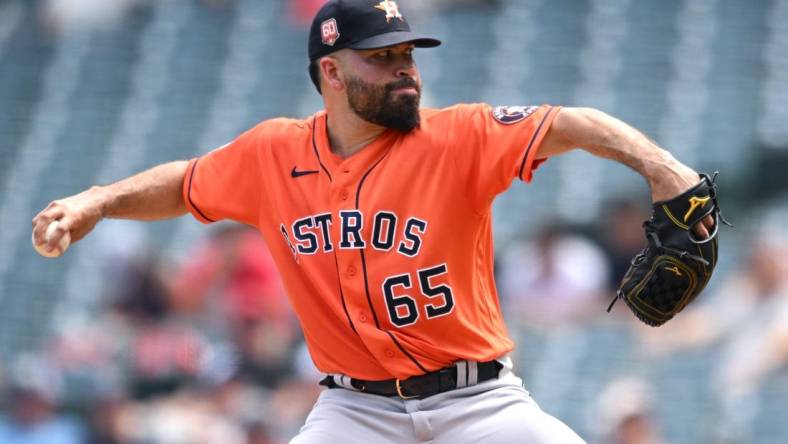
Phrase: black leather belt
x=419 y=387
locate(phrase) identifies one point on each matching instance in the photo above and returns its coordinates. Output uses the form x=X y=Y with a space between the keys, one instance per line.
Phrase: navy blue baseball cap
x=361 y=24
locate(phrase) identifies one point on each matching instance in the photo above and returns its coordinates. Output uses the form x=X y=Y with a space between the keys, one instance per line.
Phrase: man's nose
x=406 y=69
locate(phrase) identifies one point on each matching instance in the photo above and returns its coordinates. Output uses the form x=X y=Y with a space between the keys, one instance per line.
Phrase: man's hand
x=76 y=215
x=673 y=179
x=154 y=194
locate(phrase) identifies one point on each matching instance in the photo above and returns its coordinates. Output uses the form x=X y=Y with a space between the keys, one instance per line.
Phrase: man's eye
x=383 y=54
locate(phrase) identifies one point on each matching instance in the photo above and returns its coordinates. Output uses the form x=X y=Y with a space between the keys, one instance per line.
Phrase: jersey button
x=344 y=195
x=362 y=317
x=388 y=352
x=351 y=271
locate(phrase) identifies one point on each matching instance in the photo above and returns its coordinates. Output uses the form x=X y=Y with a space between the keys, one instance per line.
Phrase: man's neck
x=349 y=134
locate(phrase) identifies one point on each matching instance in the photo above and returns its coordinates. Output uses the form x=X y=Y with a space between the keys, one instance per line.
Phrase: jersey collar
x=358 y=162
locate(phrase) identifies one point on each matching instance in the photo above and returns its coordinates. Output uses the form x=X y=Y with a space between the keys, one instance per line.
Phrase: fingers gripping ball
x=59 y=249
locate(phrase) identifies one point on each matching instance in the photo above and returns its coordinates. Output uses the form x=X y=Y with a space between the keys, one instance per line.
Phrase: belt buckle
x=399 y=391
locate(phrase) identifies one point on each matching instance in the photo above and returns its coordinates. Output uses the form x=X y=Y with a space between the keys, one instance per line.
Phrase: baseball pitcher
x=378 y=215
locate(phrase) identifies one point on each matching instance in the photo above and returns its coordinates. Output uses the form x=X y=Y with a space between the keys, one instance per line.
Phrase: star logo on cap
x=391 y=10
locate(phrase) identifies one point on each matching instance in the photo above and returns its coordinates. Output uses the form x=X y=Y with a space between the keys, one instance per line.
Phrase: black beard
x=377 y=104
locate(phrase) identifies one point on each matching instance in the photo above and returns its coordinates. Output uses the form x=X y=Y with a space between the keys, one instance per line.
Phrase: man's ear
x=332 y=73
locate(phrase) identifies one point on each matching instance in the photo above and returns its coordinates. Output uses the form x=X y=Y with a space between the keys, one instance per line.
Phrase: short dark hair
x=314 y=74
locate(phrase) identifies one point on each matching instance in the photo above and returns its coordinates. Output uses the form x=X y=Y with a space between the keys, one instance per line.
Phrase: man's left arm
x=605 y=136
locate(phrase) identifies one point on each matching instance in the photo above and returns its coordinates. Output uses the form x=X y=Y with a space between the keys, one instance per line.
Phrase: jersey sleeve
x=493 y=146
x=226 y=182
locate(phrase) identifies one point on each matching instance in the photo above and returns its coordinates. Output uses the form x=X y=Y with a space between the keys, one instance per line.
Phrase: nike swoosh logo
x=295 y=173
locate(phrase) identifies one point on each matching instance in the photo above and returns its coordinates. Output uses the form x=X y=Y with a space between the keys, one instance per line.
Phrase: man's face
x=383 y=86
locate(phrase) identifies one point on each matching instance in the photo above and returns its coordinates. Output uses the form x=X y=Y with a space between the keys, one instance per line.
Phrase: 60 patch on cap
x=512 y=114
x=329 y=32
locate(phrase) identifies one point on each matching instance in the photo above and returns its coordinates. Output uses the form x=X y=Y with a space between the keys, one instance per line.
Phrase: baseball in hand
x=59 y=249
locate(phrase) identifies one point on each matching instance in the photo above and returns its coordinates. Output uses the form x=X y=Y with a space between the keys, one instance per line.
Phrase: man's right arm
x=151 y=195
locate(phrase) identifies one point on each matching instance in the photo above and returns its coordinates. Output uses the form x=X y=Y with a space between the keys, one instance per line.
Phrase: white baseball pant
x=498 y=411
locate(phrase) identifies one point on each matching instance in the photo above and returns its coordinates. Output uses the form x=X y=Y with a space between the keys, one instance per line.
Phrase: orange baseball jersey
x=387 y=256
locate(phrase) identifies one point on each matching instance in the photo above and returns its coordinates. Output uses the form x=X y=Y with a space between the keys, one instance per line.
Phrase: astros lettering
x=311 y=234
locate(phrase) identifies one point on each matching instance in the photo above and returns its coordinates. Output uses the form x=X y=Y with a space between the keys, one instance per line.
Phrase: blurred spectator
x=32 y=419
x=162 y=352
x=235 y=266
x=105 y=420
x=32 y=416
x=87 y=358
x=555 y=278
x=231 y=279
x=257 y=433
x=246 y=404
x=624 y=414
x=293 y=399
x=622 y=236
x=186 y=417
x=134 y=343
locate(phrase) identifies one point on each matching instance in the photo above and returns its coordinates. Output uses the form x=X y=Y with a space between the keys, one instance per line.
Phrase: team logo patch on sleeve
x=512 y=114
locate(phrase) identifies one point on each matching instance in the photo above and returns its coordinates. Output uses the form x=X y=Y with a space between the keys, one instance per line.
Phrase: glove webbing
x=658 y=247
x=717 y=211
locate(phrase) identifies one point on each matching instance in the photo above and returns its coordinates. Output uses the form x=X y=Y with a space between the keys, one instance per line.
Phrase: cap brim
x=396 y=38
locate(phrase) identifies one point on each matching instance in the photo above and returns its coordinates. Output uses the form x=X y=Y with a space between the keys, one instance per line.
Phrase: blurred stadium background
x=172 y=332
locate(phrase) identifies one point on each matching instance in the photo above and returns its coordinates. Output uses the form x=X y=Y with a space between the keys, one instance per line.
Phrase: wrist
x=659 y=167
x=669 y=178
x=102 y=201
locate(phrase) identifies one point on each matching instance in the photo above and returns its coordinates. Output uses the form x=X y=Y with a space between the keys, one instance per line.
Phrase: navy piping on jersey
x=336 y=264
x=342 y=295
x=314 y=146
x=363 y=257
x=366 y=279
x=189 y=194
x=533 y=138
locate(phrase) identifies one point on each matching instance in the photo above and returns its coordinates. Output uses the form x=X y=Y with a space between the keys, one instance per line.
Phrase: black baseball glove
x=675 y=266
